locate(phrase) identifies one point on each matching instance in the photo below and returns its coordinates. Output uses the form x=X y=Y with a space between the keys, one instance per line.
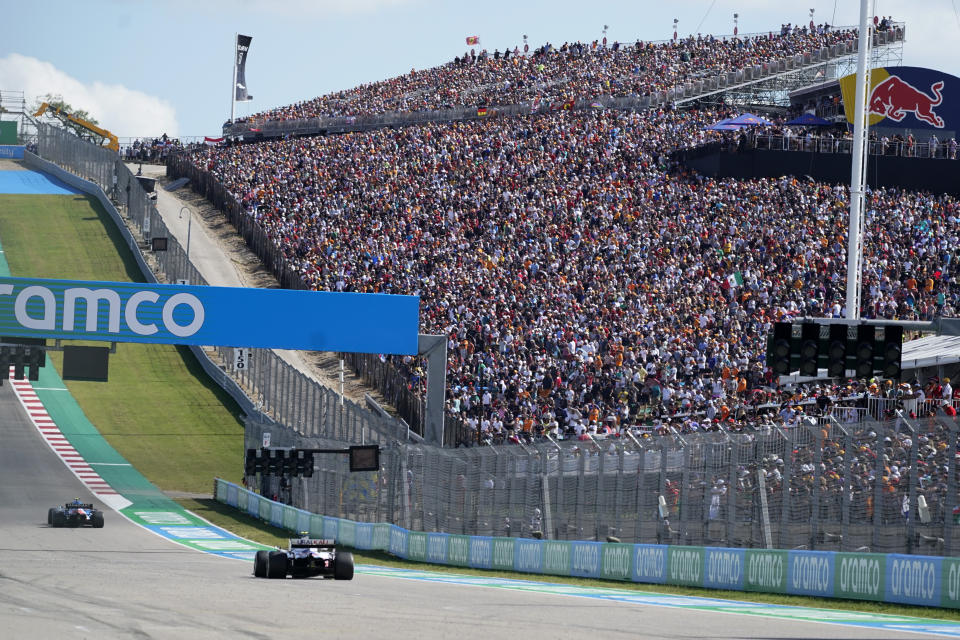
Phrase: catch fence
x=826 y=486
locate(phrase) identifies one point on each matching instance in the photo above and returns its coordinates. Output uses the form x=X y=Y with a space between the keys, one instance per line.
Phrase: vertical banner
x=503 y=553
x=810 y=573
x=528 y=556
x=913 y=580
x=398 y=541
x=481 y=552
x=243 y=46
x=585 y=561
x=616 y=561
x=950 y=587
x=556 y=557
x=766 y=570
x=458 y=550
x=685 y=566
x=649 y=563
x=436 y=547
x=417 y=546
x=860 y=576
x=723 y=568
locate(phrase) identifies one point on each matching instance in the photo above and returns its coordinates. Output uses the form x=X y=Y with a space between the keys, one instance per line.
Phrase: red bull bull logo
x=894 y=98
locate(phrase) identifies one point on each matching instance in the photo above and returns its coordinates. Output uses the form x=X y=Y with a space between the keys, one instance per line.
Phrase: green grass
x=252 y=529
x=178 y=428
x=159 y=409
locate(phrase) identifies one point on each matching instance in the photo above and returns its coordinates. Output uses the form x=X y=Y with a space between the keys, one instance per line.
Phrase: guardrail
x=917 y=580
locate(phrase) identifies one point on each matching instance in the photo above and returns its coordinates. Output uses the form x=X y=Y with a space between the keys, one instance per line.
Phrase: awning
x=930 y=352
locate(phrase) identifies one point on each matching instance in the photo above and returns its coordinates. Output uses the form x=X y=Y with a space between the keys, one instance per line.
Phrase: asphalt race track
x=125 y=582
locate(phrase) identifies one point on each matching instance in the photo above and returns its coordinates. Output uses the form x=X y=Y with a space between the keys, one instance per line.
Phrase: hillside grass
x=159 y=409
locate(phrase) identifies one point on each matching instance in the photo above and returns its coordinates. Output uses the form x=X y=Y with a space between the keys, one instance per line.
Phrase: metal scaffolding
x=13 y=106
x=775 y=89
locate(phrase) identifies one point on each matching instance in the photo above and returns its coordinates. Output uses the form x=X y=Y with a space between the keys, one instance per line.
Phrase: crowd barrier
x=893 y=578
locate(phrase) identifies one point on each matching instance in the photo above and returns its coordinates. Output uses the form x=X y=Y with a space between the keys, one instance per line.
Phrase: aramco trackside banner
x=212 y=316
x=908 y=98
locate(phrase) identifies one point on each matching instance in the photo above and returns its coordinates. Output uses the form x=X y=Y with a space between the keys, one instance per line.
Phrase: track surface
x=122 y=581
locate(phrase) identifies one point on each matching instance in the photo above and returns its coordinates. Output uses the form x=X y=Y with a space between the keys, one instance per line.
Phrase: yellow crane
x=107 y=139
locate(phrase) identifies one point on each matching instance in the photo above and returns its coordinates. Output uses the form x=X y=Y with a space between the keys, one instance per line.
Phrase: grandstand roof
x=930 y=352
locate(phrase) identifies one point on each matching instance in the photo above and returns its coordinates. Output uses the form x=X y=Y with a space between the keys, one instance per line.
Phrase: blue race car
x=75 y=514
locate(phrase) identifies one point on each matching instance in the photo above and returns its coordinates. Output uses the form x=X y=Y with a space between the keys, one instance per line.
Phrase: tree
x=57 y=112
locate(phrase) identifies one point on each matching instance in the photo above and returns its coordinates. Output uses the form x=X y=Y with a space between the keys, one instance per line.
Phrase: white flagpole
x=233 y=86
x=855 y=239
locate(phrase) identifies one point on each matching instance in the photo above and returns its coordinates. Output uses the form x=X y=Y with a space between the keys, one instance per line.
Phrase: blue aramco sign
x=212 y=316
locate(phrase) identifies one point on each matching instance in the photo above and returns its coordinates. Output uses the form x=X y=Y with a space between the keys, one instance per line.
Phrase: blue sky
x=143 y=67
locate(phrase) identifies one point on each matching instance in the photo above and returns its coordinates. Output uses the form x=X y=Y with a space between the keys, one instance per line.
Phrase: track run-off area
x=157 y=571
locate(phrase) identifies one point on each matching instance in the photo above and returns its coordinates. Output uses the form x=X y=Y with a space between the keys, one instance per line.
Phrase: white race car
x=304 y=558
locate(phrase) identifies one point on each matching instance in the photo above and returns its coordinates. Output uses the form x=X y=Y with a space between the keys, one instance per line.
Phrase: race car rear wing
x=70 y=505
x=301 y=543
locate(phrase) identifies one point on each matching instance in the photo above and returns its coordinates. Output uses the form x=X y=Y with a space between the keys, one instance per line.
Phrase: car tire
x=343 y=566
x=277 y=564
x=51 y=513
x=96 y=520
x=59 y=520
x=260 y=564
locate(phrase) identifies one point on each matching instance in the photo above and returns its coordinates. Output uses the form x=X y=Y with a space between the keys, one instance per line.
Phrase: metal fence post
x=817 y=478
x=846 y=487
x=581 y=491
x=949 y=520
x=732 y=480
x=878 y=496
x=913 y=512
x=786 y=487
x=684 y=510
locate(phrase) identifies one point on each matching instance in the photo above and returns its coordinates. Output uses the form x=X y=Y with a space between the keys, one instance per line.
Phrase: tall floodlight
x=857 y=177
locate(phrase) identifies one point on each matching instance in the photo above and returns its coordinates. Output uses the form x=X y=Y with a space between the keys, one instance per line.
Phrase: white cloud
x=125 y=112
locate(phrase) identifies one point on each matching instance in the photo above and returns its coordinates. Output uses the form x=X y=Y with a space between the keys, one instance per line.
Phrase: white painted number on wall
x=241 y=358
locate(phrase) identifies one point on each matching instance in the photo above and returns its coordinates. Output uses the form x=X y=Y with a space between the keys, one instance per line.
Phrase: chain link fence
x=818 y=487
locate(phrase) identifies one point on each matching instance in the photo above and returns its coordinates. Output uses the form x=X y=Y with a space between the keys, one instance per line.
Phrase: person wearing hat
x=946 y=391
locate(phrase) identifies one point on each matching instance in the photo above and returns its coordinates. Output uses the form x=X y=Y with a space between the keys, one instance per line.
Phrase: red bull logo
x=894 y=98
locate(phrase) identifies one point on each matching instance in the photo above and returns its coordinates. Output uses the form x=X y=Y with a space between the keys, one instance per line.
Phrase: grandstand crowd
x=151 y=149
x=551 y=73
x=588 y=283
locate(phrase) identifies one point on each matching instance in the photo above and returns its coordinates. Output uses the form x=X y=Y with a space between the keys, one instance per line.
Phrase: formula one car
x=304 y=558
x=75 y=514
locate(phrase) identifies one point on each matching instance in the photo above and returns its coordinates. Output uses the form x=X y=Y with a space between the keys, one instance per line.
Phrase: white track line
x=61 y=446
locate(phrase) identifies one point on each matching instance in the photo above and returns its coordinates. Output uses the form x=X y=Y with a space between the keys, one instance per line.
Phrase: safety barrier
x=894 y=578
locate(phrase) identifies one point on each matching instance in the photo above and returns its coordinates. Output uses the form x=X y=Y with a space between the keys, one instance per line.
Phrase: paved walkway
x=224 y=260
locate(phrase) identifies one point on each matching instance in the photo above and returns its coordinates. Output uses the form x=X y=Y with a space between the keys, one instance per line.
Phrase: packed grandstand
x=571 y=71
x=588 y=282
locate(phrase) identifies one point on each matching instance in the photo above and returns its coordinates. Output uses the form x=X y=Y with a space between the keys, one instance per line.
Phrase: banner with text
x=209 y=316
